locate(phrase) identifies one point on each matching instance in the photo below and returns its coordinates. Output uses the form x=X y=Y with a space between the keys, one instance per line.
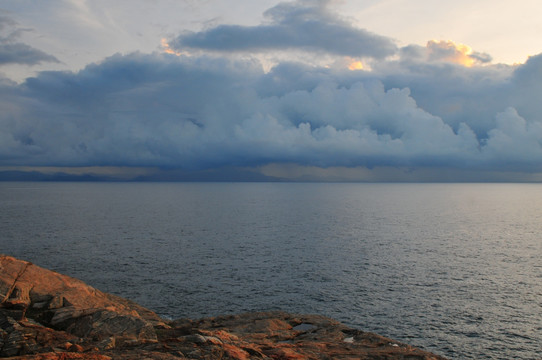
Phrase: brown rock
x=285 y=352
x=278 y=335
x=106 y=344
x=236 y=353
x=65 y=303
x=48 y=316
x=62 y=356
x=26 y=284
x=76 y=348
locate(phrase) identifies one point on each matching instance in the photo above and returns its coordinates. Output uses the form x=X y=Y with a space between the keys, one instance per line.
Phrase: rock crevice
x=14 y=296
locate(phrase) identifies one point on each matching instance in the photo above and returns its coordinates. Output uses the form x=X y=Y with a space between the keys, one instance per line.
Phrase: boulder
x=34 y=299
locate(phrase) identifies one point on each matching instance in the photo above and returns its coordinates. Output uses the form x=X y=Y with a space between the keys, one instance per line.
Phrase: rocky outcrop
x=46 y=315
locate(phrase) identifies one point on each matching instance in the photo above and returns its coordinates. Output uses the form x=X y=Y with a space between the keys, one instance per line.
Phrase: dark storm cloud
x=432 y=107
x=473 y=95
x=302 y=25
x=13 y=52
x=19 y=53
x=203 y=112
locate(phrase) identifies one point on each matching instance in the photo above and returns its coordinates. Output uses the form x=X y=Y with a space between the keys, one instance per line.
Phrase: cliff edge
x=46 y=315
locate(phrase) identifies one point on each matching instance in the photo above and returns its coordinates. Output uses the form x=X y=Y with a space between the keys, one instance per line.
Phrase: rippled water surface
x=452 y=268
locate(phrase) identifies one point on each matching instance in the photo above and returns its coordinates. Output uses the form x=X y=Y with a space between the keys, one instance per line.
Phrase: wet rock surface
x=46 y=315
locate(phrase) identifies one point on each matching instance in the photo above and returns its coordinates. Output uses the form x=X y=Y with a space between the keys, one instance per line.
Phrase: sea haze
x=452 y=268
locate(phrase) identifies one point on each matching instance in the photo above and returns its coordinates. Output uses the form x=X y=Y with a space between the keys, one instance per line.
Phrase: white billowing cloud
x=364 y=123
x=515 y=141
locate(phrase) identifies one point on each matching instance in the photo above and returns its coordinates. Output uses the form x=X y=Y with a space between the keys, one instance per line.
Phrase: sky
x=306 y=90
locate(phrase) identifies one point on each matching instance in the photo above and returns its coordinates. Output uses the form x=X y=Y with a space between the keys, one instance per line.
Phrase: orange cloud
x=355 y=65
x=446 y=50
x=347 y=62
x=167 y=49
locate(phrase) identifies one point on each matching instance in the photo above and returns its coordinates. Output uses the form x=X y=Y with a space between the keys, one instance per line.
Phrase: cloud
x=444 y=51
x=19 y=53
x=12 y=52
x=515 y=141
x=474 y=95
x=200 y=113
x=426 y=113
x=303 y=25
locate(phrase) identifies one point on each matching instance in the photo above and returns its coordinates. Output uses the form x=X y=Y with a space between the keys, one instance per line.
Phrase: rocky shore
x=47 y=315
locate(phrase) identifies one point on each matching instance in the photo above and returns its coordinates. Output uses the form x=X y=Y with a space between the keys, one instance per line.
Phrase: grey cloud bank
x=13 y=52
x=417 y=116
x=199 y=113
x=309 y=26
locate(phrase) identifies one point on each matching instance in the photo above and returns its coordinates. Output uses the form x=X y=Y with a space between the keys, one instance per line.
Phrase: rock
x=107 y=344
x=48 y=316
x=76 y=348
x=195 y=338
x=24 y=284
x=68 y=304
x=106 y=323
x=304 y=327
x=280 y=335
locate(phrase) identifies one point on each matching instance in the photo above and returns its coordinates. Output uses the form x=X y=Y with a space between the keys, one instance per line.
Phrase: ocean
x=455 y=269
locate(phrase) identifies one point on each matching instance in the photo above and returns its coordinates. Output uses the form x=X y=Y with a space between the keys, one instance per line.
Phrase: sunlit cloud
x=457 y=53
x=355 y=65
x=167 y=49
x=451 y=52
x=348 y=62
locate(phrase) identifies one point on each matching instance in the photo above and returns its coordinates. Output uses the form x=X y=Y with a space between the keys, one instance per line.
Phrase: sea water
x=455 y=269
